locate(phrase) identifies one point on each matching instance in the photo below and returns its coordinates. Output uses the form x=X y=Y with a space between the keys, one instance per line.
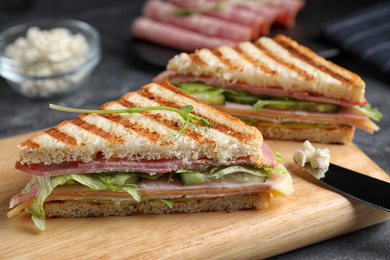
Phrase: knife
x=353 y=184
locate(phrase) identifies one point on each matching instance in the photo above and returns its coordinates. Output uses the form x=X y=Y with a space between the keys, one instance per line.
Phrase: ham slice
x=22 y=197
x=174 y=36
x=165 y=12
x=152 y=167
x=175 y=77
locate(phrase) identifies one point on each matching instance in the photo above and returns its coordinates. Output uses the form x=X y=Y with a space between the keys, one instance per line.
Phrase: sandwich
x=156 y=150
x=284 y=89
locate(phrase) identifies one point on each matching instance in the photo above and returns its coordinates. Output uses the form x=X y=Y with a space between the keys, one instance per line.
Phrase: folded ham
x=163 y=11
x=174 y=36
x=205 y=25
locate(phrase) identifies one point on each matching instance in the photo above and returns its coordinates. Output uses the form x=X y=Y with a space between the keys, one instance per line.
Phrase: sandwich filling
x=279 y=109
x=134 y=187
x=274 y=80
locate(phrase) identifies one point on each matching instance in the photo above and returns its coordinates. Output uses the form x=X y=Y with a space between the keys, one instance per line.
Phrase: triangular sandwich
x=156 y=150
x=281 y=87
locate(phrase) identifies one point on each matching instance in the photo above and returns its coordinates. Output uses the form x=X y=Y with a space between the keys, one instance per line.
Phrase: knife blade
x=356 y=185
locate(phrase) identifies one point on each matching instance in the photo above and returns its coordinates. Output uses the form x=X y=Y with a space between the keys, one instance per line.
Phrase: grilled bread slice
x=279 y=63
x=146 y=135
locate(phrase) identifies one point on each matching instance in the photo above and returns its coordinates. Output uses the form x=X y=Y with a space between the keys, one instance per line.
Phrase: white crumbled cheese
x=317 y=158
x=51 y=48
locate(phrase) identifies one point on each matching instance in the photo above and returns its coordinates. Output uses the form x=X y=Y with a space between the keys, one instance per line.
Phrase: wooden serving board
x=312 y=214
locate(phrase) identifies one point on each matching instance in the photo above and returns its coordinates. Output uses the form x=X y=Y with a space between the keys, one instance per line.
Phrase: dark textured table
x=122 y=69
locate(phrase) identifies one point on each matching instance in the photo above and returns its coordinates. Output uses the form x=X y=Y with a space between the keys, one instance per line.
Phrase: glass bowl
x=48 y=77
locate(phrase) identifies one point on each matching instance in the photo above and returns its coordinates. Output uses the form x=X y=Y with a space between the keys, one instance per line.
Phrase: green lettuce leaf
x=221 y=171
x=112 y=181
x=278 y=157
x=275 y=170
x=233 y=173
x=117 y=181
x=372 y=113
x=128 y=182
x=46 y=186
x=206 y=93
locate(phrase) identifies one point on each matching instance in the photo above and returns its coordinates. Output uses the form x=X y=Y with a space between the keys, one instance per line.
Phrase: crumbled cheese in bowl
x=46 y=45
x=318 y=159
x=48 y=53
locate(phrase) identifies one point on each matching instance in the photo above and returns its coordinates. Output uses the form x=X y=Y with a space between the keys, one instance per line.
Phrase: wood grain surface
x=312 y=214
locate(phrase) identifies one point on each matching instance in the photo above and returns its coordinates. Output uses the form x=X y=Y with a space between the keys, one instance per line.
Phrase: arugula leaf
x=187 y=109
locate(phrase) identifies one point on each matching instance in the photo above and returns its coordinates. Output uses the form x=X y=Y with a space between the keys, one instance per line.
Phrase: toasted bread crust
x=70 y=208
x=346 y=77
x=146 y=135
x=337 y=134
x=278 y=62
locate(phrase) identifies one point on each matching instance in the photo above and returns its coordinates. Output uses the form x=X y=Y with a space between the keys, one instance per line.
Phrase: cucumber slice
x=243 y=177
x=205 y=93
x=241 y=99
x=217 y=96
x=296 y=105
x=190 y=178
x=210 y=97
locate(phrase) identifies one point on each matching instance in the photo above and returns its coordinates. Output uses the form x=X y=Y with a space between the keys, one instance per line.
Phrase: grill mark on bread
x=152 y=135
x=293 y=50
x=301 y=73
x=54 y=133
x=196 y=59
x=62 y=137
x=93 y=129
x=252 y=60
x=242 y=137
x=198 y=137
x=30 y=144
x=226 y=61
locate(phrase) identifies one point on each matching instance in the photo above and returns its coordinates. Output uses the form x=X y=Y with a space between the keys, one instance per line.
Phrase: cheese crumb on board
x=317 y=158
